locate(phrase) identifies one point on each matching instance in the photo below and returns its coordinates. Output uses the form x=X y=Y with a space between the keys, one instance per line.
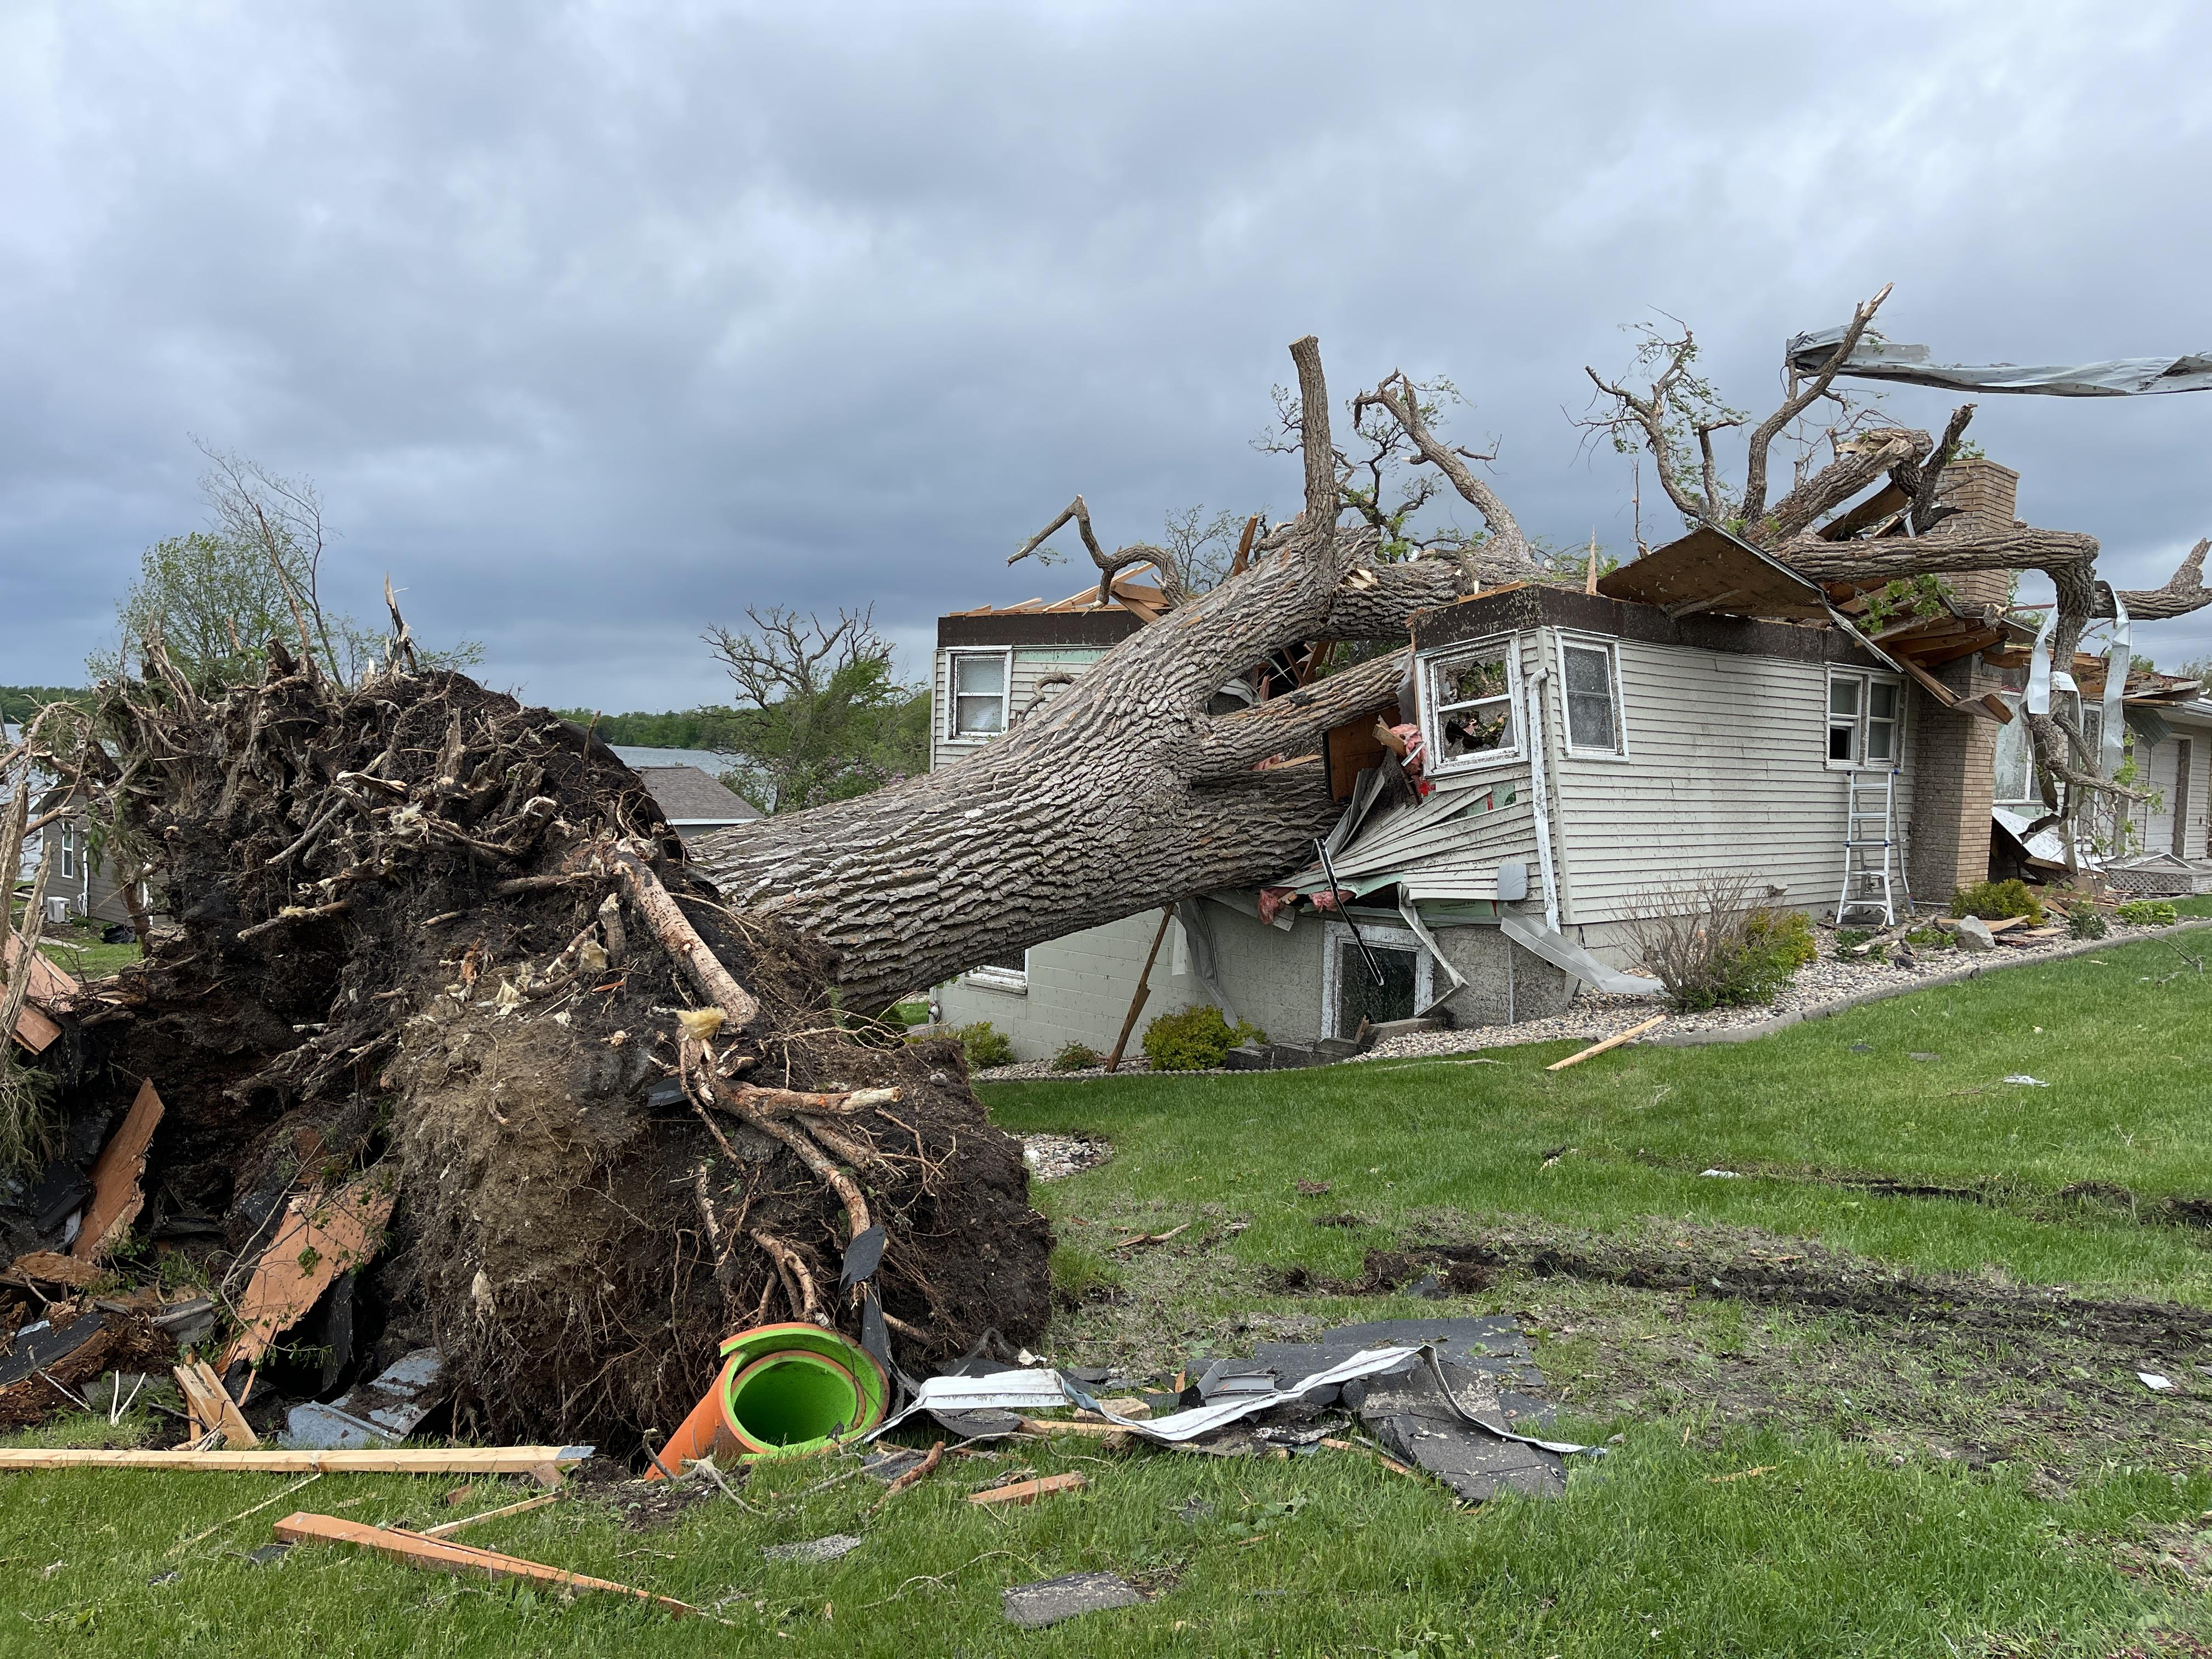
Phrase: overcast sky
x=595 y=323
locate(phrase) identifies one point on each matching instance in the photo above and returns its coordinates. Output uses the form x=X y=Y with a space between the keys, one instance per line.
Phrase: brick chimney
x=1954 y=755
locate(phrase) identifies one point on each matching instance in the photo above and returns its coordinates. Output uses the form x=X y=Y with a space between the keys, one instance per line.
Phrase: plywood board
x=119 y=1191
x=1711 y=569
x=266 y=1460
x=321 y=1237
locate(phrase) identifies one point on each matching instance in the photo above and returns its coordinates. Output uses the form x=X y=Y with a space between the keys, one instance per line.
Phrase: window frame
x=952 y=732
x=1432 y=663
x=1566 y=641
x=1865 y=679
x=1013 y=982
x=1336 y=935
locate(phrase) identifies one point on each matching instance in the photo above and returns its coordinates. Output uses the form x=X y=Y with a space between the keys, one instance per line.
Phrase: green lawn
x=1926 y=1484
x=77 y=947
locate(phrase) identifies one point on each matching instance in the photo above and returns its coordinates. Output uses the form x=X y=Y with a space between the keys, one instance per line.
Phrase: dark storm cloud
x=596 y=323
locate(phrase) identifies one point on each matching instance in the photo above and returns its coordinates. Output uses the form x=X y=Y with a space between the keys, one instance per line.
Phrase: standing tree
x=821 y=715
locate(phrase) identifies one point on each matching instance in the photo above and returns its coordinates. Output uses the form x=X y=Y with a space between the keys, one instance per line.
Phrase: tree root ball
x=407 y=945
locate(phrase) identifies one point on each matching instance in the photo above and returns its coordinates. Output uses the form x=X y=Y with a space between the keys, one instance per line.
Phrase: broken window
x=1593 y=685
x=980 y=683
x=1350 y=989
x=1470 y=695
x=1866 y=719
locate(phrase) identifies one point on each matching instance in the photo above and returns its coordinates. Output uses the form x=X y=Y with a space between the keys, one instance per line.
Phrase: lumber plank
x=1028 y=1491
x=270 y=1459
x=1613 y=1042
x=437 y=1555
x=452 y=1526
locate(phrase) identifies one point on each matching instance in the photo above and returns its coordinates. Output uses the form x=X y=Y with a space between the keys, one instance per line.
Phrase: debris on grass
x=1047 y=1601
x=808 y=1551
x=437 y=1555
x=1028 y=1491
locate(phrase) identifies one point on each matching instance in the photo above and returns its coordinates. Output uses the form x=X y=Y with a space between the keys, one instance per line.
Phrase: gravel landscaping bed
x=1826 y=983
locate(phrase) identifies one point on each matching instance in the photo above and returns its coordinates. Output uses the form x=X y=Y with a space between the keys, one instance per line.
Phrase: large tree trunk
x=1118 y=795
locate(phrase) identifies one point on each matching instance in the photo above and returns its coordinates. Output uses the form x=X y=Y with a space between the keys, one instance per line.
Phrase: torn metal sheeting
x=1051 y=1600
x=1027 y=1391
x=1874 y=358
x=1709 y=569
x=1564 y=953
x=1419 y=1421
x=381 y=1412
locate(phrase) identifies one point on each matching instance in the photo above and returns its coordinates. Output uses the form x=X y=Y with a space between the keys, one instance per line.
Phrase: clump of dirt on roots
x=408 y=944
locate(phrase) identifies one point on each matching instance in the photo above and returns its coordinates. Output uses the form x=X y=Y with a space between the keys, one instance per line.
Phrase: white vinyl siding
x=1026 y=666
x=1728 y=771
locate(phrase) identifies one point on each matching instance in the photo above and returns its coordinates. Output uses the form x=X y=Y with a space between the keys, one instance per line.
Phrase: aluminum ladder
x=1871 y=828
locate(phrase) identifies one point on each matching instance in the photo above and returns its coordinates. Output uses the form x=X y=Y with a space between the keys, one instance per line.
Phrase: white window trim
x=1867 y=679
x=1619 y=752
x=1432 y=734
x=1337 y=934
x=952 y=733
x=1013 y=984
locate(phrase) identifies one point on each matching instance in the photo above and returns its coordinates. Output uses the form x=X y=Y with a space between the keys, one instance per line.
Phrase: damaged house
x=1555 y=757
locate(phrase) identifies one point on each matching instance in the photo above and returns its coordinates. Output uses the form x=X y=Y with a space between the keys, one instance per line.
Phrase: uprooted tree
x=429 y=930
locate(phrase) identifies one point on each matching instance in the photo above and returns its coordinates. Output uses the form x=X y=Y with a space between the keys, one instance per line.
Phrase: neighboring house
x=77 y=883
x=1701 y=714
x=684 y=784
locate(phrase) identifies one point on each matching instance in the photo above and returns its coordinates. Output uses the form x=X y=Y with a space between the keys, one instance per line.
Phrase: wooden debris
x=270 y=1460
x=1390 y=1464
x=436 y=1555
x=1070 y=1426
x=212 y=1408
x=49 y=985
x=1152 y=1238
x=1028 y=1491
x=452 y=1526
x=914 y=1476
x=321 y=1237
x=51 y=1268
x=1613 y=1042
x=118 y=1178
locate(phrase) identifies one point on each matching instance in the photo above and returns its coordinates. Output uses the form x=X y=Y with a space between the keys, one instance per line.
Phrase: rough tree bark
x=1121 y=793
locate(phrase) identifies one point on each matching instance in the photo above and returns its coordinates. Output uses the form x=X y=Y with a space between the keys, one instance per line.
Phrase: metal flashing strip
x=1566 y=955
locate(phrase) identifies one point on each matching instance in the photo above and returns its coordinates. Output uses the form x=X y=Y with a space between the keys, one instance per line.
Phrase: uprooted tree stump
x=429 y=931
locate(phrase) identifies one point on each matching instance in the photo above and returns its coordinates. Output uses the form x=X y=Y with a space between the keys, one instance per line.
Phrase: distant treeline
x=689 y=728
x=19 y=703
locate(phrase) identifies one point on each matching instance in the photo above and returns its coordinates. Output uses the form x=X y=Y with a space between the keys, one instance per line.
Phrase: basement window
x=1008 y=971
x=1350 y=992
x=1591 y=674
x=1866 y=719
x=980 y=684
x=1469 y=699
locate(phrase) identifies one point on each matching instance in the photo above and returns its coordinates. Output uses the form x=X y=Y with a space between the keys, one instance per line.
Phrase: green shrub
x=1076 y=1057
x=1787 y=935
x=1711 y=948
x=1928 y=939
x=910 y=1013
x=2147 y=913
x=1992 y=901
x=1195 y=1040
x=987 y=1045
x=2085 y=921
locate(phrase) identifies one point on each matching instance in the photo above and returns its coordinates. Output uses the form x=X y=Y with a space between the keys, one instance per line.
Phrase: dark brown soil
x=550 y=1236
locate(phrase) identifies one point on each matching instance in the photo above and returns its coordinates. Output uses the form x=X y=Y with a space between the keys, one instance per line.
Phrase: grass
x=1847 y=1539
x=77 y=947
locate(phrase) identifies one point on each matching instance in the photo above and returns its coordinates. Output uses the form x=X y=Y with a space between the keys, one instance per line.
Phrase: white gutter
x=1541 y=802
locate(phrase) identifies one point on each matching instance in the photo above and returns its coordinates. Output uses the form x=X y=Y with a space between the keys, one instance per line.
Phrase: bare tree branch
x=1762 y=436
